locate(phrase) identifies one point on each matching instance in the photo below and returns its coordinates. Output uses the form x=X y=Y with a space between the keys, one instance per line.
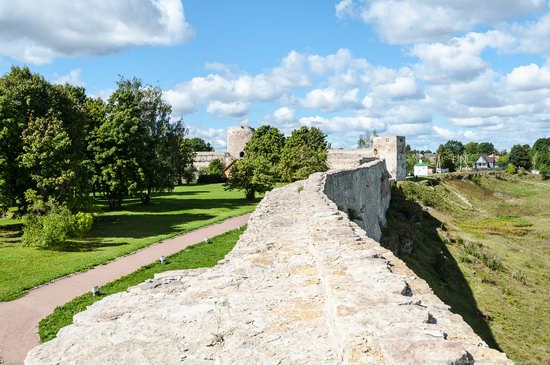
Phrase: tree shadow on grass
x=431 y=260
x=143 y=225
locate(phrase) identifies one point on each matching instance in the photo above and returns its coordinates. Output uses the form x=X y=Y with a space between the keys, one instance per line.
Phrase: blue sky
x=430 y=70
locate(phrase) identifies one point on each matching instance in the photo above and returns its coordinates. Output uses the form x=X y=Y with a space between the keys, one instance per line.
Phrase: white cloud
x=73 y=78
x=529 y=77
x=39 y=31
x=343 y=124
x=458 y=59
x=400 y=88
x=408 y=21
x=216 y=136
x=329 y=99
x=237 y=109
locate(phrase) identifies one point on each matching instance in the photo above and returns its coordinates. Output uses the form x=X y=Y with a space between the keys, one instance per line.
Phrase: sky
x=430 y=70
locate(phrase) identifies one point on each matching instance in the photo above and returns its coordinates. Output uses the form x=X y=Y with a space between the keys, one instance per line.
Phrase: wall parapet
x=304 y=285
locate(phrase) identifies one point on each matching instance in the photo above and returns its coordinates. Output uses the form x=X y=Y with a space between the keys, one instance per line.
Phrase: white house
x=422 y=169
x=485 y=162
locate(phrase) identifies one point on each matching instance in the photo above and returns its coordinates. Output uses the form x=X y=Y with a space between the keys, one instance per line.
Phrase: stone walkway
x=19 y=318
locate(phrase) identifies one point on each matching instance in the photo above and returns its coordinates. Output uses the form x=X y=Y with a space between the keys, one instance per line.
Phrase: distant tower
x=237 y=137
x=392 y=150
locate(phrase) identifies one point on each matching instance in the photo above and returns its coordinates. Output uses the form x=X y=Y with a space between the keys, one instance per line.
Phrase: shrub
x=49 y=224
x=511 y=169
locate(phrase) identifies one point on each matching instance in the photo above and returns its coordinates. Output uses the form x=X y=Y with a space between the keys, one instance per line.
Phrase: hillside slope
x=483 y=245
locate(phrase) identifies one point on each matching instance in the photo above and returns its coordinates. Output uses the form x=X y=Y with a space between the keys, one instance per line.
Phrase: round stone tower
x=237 y=137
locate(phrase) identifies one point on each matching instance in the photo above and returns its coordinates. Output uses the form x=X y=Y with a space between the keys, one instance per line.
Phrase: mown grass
x=197 y=256
x=483 y=245
x=115 y=233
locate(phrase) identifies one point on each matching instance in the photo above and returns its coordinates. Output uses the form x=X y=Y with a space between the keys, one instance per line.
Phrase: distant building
x=423 y=169
x=486 y=162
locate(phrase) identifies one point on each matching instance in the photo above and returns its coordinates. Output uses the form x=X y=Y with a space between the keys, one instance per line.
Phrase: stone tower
x=237 y=137
x=392 y=150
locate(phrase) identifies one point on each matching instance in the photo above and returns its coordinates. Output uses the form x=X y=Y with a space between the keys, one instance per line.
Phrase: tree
x=197 y=144
x=485 y=148
x=251 y=175
x=455 y=148
x=445 y=159
x=365 y=140
x=136 y=149
x=258 y=170
x=304 y=153
x=42 y=140
x=503 y=161
x=519 y=156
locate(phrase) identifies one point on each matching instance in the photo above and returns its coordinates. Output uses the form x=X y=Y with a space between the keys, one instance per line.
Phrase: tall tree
x=41 y=138
x=519 y=156
x=365 y=140
x=304 y=153
x=484 y=148
x=258 y=170
x=197 y=144
x=455 y=148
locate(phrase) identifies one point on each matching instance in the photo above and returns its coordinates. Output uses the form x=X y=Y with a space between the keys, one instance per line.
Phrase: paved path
x=19 y=318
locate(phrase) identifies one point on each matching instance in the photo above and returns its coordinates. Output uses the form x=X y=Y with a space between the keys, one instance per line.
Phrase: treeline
x=269 y=158
x=58 y=144
x=454 y=154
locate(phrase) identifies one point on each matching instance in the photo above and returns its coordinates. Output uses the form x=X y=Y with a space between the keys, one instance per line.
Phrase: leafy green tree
x=251 y=175
x=215 y=167
x=197 y=144
x=365 y=140
x=304 y=153
x=119 y=144
x=485 y=148
x=519 y=156
x=258 y=170
x=471 y=148
x=455 y=148
x=503 y=161
x=542 y=145
x=445 y=159
x=41 y=139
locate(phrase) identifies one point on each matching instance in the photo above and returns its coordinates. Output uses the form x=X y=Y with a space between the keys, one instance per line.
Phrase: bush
x=49 y=224
x=210 y=179
x=511 y=169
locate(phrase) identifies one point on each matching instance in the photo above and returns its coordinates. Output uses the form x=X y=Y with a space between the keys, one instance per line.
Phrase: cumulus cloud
x=216 y=136
x=39 y=31
x=449 y=91
x=408 y=21
x=529 y=77
x=73 y=78
x=342 y=124
x=237 y=109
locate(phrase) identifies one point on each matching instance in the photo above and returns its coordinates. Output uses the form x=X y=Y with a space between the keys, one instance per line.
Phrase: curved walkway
x=19 y=318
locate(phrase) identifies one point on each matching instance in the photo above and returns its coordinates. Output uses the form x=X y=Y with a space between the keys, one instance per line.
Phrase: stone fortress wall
x=388 y=148
x=237 y=137
x=305 y=284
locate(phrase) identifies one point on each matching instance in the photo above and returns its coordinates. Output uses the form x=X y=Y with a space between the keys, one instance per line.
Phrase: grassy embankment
x=483 y=245
x=115 y=233
x=197 y=256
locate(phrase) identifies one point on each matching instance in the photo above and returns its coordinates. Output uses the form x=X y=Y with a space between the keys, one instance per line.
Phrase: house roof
x=421 y=164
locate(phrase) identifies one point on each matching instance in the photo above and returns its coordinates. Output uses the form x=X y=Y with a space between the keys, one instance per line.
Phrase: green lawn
x=115 y=234
x=200 y=255
x=483 y=245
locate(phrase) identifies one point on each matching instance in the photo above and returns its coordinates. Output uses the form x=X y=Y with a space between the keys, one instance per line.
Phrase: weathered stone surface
x=304 y=285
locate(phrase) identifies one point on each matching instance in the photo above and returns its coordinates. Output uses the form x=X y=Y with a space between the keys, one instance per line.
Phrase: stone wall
x=363 y=194
x=303 y=285
x=203 y=159
x=237 y=138
x=390 y=149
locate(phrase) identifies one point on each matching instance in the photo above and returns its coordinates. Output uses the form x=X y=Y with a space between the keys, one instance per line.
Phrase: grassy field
x=114 y=234
x=483 y=245
x=200 y=255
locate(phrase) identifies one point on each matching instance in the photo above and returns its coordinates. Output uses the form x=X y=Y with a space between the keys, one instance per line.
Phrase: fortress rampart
x=305 y=284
